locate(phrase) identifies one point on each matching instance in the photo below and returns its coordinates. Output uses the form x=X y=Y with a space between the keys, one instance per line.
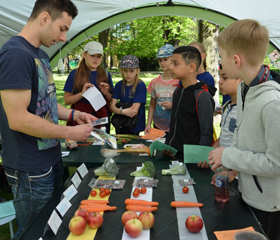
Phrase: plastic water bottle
x=222 y=184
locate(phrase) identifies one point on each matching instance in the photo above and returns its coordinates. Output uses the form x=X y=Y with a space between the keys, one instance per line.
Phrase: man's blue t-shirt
x=69 y=84
x=23 y=66
x=139 y=97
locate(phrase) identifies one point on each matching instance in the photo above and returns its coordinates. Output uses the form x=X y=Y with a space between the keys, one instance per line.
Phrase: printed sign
x=274 y=55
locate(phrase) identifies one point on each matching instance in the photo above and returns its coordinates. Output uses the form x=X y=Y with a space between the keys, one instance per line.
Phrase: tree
x=143 y=37
x=103 y=39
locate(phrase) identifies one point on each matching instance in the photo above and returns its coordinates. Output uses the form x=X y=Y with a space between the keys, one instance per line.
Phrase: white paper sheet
x=183 y=213
x=54 y=222
x=63 y=206
x=65 y=153
x=145 y=234
x=94 y=96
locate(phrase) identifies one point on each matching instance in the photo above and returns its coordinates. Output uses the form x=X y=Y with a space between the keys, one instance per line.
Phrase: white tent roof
x=15 y=13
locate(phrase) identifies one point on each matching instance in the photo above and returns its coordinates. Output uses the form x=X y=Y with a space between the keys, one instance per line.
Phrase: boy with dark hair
x=255 y=150
x=29 y=111
x=193 y=104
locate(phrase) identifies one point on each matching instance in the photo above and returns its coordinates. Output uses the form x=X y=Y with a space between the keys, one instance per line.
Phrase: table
x=232 y=215
x=91 y=155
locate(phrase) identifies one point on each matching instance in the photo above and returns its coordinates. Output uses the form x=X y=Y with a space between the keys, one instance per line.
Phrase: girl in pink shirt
x=161 y=90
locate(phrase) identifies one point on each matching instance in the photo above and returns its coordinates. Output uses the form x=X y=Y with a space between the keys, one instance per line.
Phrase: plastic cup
x=248 y=235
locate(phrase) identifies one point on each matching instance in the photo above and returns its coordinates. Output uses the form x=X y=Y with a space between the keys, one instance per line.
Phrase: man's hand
x=85 y=118
x=204 y=164
x=80 y=132
x=215 y=158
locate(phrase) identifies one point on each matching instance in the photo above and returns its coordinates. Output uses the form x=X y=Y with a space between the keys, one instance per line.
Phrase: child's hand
x=87 y=86
x=218 y=110
x=166 y=104
x=203 y=164
x=104 y=88
x=168 y=153
x=215 y=158
x=232 y=175
x=147 y=129
x=130 y=112
x=213 y=180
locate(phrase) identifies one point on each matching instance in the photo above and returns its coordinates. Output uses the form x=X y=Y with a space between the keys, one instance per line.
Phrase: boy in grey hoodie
x=254 y=152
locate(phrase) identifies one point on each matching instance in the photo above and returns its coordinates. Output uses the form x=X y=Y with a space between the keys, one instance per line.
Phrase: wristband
x=69 y=119
x=121 y=110
x=71 y=116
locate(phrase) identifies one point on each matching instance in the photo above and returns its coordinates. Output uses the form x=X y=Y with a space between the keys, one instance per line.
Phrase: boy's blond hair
x=246 y=37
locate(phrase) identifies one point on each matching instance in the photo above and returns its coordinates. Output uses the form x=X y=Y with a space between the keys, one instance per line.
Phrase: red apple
x=194 y=223
x=127 y=216
x=77 y=225
x=95 y=219
x=147 y=219
x=133 y=227
x=82 y=212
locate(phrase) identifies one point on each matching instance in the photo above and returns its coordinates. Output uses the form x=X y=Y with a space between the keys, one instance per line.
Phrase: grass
x=60 y=81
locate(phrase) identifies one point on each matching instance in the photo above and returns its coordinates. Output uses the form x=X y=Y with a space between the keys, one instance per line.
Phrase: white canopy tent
x=97 y=15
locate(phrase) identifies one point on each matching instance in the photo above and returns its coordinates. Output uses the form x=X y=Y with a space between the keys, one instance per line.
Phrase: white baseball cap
x=94 y=48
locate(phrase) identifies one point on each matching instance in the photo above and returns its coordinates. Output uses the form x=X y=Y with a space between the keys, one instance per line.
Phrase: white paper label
x=70 y=192
x=54 y=222
x=175 y=162
x=76 y=180
x=63 y=206
x=82 y=170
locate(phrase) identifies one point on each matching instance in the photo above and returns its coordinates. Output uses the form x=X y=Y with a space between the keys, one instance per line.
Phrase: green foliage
x=143 y=37
x=148 y=170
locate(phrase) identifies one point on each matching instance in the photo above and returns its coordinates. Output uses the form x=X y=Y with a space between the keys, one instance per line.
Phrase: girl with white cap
x=89 y=74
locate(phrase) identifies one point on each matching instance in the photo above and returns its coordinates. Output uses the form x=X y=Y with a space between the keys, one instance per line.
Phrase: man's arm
x=16 y=102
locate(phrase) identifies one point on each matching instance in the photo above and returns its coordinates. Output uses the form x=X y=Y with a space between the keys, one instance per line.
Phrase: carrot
x=140 y=202
x=185 y=204
x=98 y=208
x=139 y=208
x=91 y=202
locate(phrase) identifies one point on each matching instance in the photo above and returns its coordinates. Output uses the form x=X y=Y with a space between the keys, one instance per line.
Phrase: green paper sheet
x=196 y=153
x=161 y=146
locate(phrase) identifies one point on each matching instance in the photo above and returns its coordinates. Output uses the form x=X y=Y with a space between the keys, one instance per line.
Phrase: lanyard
x=263 y=79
